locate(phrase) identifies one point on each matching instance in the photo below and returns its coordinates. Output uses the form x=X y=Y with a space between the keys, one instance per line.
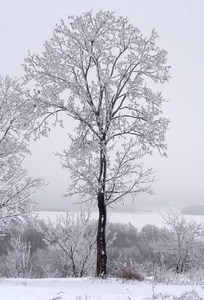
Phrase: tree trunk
x=101 y=237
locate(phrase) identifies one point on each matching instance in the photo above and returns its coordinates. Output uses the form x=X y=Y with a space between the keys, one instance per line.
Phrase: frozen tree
x=74 y=236
x=16 y=187
x=96 y=71
x=18 y=259
x=184 y=245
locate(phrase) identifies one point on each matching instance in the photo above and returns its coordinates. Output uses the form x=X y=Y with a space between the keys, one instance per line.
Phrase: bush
x=28 y=233
x=132 y=248
x=193 y=295
x=17 y=262
x=129 y=274
x=47 y=263
x=169 y=277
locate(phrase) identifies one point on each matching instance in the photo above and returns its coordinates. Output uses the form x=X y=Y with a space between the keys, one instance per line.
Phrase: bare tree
x=74 y=236
x=96 y=71
x=16 y=187
x=183 y=245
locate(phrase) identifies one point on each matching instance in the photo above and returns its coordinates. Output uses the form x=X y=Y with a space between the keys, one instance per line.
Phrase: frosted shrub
x=18 y=259
x=193 y=295
x=73 y=238
x=192 y=277
x=129 y=274
x=47 y=264
x=182 y=247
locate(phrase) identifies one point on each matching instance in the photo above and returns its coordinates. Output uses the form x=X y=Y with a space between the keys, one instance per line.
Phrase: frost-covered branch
x=16 y=187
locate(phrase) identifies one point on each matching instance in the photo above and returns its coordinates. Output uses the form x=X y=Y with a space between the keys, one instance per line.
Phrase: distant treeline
x=193 y=210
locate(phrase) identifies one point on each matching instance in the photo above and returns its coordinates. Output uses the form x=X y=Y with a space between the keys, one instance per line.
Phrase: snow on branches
x=16 y=187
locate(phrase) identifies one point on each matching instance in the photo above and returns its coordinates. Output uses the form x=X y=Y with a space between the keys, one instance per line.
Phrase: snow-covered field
x=137 y=219
x=89 y=289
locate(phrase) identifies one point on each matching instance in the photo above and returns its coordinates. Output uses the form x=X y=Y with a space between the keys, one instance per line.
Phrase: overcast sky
x=26 y=24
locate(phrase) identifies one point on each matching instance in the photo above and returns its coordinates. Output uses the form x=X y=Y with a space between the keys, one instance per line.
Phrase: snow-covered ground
x=137 y=219
x=89 y=289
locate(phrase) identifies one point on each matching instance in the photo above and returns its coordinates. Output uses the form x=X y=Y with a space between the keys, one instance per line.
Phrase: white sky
x=26 y=24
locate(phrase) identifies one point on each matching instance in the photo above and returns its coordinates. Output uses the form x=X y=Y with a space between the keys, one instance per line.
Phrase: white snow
x=86 y=289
